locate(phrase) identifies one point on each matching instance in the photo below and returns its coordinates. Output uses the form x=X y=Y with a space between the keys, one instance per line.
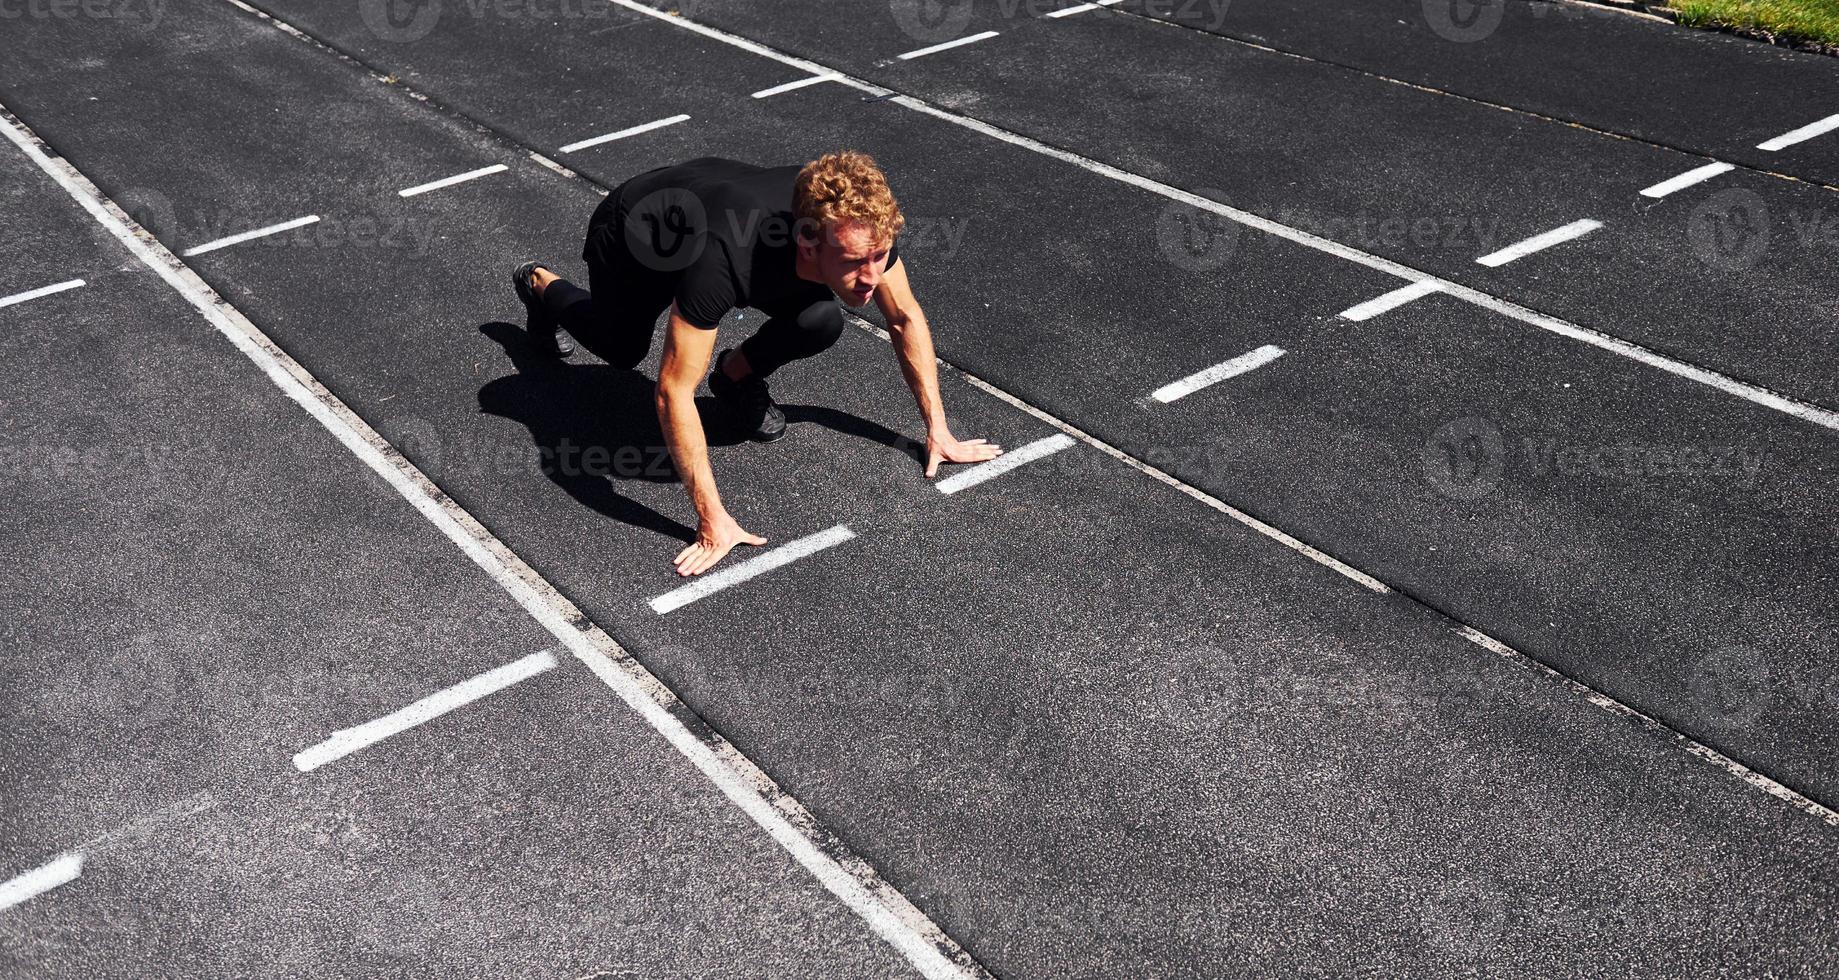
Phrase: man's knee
x=819 y=326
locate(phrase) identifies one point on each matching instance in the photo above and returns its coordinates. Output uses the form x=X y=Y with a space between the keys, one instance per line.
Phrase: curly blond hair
x=839 y=188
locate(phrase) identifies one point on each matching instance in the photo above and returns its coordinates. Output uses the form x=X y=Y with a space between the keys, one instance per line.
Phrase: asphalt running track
x=1085 y=723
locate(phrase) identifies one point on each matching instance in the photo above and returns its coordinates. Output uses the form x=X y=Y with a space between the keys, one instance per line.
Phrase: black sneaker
x=541 y=329
x=747 y=402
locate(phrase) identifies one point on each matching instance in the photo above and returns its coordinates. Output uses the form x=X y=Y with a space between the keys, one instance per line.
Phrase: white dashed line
x=496 y=168
x=348 y=740
x=1519 y=250
x=1687 y=179
x=1801 y=135
x=922 y=52
x=1217 y=373
x=59 y=871
x=33 y=294
x=1082 y=8
x=247 y=235
x=622 y=134
x=1386 y=302
x=713 y=582
x=1019 y=456
x=790 y=86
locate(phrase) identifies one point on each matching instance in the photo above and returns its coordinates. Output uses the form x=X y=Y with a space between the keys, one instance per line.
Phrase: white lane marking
x=790 y=86
x=348 y=740
x=33 y=294
x=713 y=582
x=1801 y=135
x=247 y=235
x=1543 y=240
x=61 y=870
x=1307 y=551
x=1386 y=302
x=1248 y=361
x=496 y=168
x=820 y=852
x=622 y=134
x=1082 y=8
x=1651 y=724
x=960 y=42
x=1824 y=417
x=1019 y=456
x=1687 y=179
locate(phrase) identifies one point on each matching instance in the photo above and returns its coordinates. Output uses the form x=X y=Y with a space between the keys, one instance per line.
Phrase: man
x=709 y=236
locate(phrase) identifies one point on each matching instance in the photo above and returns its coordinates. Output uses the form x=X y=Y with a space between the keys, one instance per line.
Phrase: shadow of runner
x=594 y=424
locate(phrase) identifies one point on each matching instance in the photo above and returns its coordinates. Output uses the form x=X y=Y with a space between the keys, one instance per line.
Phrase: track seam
x=1753 y=777
x=807 y=841
x=1433 y=90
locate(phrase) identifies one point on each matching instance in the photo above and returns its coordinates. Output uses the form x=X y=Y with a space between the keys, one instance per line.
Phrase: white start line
x=419 y=189
x=1019 y=456
x=1696 y=175
x=622 y=134
x=713 y=582
x=213 y=246
x=767 y=93
x=348 y=740
x=1387 y=302
x=1540 y=242
x=948 y=45
x=1801 y=135
x=1249 y=361
x=1082 y=8
x=59 y=871
x=42 y=291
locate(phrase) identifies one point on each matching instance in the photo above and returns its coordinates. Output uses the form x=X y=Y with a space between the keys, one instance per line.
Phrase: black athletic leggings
x=614 y=318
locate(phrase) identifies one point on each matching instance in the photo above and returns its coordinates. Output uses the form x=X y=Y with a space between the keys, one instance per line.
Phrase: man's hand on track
x=945 y=449
x=713 y=542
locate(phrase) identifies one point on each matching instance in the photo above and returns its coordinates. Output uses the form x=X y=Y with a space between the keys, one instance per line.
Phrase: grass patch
x=1790 y=20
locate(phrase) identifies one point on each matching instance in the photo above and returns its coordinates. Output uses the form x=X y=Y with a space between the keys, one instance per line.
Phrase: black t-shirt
x=718 y=231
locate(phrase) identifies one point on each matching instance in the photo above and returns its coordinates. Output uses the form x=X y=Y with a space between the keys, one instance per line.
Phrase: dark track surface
x=1088 y=725
x=1542 y=561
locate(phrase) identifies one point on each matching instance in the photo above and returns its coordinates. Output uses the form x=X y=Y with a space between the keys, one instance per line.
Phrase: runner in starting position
x=709 y=236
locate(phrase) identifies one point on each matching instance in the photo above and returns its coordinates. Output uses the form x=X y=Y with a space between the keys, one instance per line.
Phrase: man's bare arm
x=913 y=345
x=686 y=358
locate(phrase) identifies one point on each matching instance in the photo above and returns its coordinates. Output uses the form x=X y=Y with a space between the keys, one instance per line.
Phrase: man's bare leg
x=540 y=280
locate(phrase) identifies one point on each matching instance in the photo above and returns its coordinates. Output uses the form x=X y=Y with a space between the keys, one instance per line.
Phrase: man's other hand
x=714 y=540
x=945 y=449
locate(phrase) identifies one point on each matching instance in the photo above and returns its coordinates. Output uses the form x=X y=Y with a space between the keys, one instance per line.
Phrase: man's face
x=849 y=260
